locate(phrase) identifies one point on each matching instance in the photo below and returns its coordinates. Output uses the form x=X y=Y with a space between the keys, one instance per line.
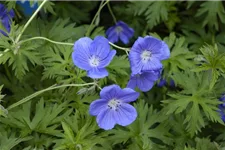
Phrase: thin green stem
x=96 y=15
x=28 y=98
x=44 y=38
x=29 y=21
x=122 y=48
x=112 y=14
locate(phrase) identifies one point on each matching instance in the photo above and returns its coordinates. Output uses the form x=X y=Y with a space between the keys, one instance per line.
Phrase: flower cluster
x=145 y=60
x=5 y=19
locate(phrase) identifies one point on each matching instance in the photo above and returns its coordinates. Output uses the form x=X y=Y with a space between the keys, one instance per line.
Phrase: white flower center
x=94 y=61
x=118 y=29
x=114 y=104
x=146 y=56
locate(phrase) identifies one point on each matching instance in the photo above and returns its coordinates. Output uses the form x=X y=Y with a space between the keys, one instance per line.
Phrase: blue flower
x=93 y=56
x=112 y=108
x=146 y=54
x=27 y=8
x=163 y=82
x=5 y=18
x=120 y=31
x=222 y=108
x=144 y=81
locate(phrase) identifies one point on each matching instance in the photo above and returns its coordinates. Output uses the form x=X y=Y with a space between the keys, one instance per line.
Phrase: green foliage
x=186 y=116
x=148 y=131
x=45 y=119
x=119 y=67
x=9 y=140
x=203 y=144
x=211 y=12
x=58 y=63
x=195 y=100
x=79 y=133
x=155 y=12
x=213 y=62
x=180 y=57
x=77 y=11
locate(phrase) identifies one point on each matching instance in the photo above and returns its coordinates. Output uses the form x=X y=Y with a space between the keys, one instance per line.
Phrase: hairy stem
x=29 y=21
x=28 y=98
x=122 y=48
x=96 y=15
x=112 y=14
x=44 y=38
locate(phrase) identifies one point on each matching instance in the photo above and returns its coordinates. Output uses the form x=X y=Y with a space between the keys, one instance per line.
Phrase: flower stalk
x=28 y=98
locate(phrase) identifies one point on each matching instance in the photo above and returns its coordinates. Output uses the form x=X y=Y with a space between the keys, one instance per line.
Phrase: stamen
x=146 y=56
x=94 y=61
x=118 y=29
x=114 y=104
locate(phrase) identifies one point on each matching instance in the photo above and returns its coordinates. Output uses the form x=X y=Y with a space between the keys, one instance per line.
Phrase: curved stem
x=28 y=98
x=44 y=38
x=96 y=15
x=122 y=48
x=29 y=21
x=112 y=14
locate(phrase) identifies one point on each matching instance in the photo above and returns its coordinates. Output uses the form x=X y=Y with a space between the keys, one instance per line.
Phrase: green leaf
x=79 y=132
x=213 y=63
x=45 y=119
x=10 y=140
x=180 y=56
x=148 y=125
x=154 y=11
x=197 y=103
x=212 y=11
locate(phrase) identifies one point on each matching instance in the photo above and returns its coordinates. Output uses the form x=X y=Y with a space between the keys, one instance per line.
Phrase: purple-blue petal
x=100 y=47
x=105 y=119
x=152 y=65
x=165 y=51
x=162 y=83
x=81 y=61
x=97 y=106
x=106 y=61
x=143 y=81
x=110 y=92
x=112 y=35
x=124 y=38
x=132 y=83
x=135 y=62
x=5 y=18
x=125 y=115
x=128 y=95
x=97 y=73
x=81 y=53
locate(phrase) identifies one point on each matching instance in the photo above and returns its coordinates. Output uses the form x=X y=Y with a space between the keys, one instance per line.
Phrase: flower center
x=94 y=61
x=118 y=29
x=114 y=104
x=146 y=56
